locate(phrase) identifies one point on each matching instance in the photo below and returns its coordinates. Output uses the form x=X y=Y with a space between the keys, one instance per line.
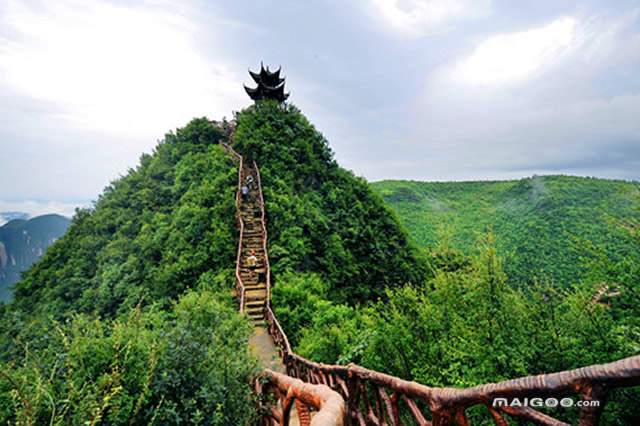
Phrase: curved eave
x=252 y=92
x=255 y=76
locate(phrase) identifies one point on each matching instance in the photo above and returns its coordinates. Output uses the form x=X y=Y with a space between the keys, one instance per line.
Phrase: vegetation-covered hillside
x=535 y=220
x=22 y=242
x=165 y=227
x=128 y=318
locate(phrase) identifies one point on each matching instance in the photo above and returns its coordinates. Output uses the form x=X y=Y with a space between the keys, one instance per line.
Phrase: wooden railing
x=267 y=267
x=240 y=290
x=375 y=398
x=329 y=404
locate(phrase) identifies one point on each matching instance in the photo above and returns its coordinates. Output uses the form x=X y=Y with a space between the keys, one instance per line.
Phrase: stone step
x=256 y=292
x=254 y=309
x=258 y=302
x=255 y=313
x=254 y=286
x=244 y=272
x=259 y=286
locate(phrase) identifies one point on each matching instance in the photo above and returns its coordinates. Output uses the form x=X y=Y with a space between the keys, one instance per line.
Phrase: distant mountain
x=22 y=242
x=9 y=216
x=534 y=219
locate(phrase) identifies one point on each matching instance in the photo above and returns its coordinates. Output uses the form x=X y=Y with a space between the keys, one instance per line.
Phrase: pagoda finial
x=270 y=85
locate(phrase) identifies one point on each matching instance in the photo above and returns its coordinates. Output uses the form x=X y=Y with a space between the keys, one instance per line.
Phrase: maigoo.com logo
x=539 y=402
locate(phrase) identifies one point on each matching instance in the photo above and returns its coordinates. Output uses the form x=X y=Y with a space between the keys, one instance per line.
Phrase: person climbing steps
x=252 y=263
x=245 y=193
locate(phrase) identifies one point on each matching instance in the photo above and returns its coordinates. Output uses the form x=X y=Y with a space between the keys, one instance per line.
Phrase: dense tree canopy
x=161 y=229
x=535 y=219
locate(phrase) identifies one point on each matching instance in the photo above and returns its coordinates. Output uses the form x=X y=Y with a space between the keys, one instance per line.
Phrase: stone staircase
x=255 y=284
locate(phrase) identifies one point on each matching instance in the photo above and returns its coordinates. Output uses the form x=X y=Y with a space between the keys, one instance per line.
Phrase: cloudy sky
x=405 y=89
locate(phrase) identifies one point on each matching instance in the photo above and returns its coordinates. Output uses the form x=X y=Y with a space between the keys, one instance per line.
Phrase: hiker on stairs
x=245 y=192
x=252 y=262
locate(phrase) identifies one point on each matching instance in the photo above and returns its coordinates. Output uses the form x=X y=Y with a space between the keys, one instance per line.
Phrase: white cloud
x=514 y=57
x=573 y=109
x=414 y=18
x=114 y=69
x=36 y=208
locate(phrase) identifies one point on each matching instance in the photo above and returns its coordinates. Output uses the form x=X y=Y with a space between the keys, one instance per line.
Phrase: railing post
x=353 y=385
x=591 y=415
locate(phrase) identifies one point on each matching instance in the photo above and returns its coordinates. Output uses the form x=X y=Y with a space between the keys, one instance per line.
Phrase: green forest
x=537 y=221
x=129 y=318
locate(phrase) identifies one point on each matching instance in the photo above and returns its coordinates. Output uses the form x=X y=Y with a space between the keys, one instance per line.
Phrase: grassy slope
x=533 y=218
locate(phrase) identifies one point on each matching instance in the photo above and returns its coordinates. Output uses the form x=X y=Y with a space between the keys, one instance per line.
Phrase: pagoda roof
x=265 y=92
x=267 y=77
x=270 y=85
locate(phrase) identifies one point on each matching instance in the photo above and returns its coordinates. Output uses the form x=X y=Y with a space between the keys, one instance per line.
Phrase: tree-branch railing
x=375 y=398
x=288 y=390
x=276 y=332
x=267 y=267
x=240 y=290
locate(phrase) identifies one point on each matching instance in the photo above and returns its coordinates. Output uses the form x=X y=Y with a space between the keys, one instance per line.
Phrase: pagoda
x=270 y=85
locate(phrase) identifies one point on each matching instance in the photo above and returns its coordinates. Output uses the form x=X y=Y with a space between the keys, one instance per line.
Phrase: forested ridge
x=537 y=221
x=129 y=318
